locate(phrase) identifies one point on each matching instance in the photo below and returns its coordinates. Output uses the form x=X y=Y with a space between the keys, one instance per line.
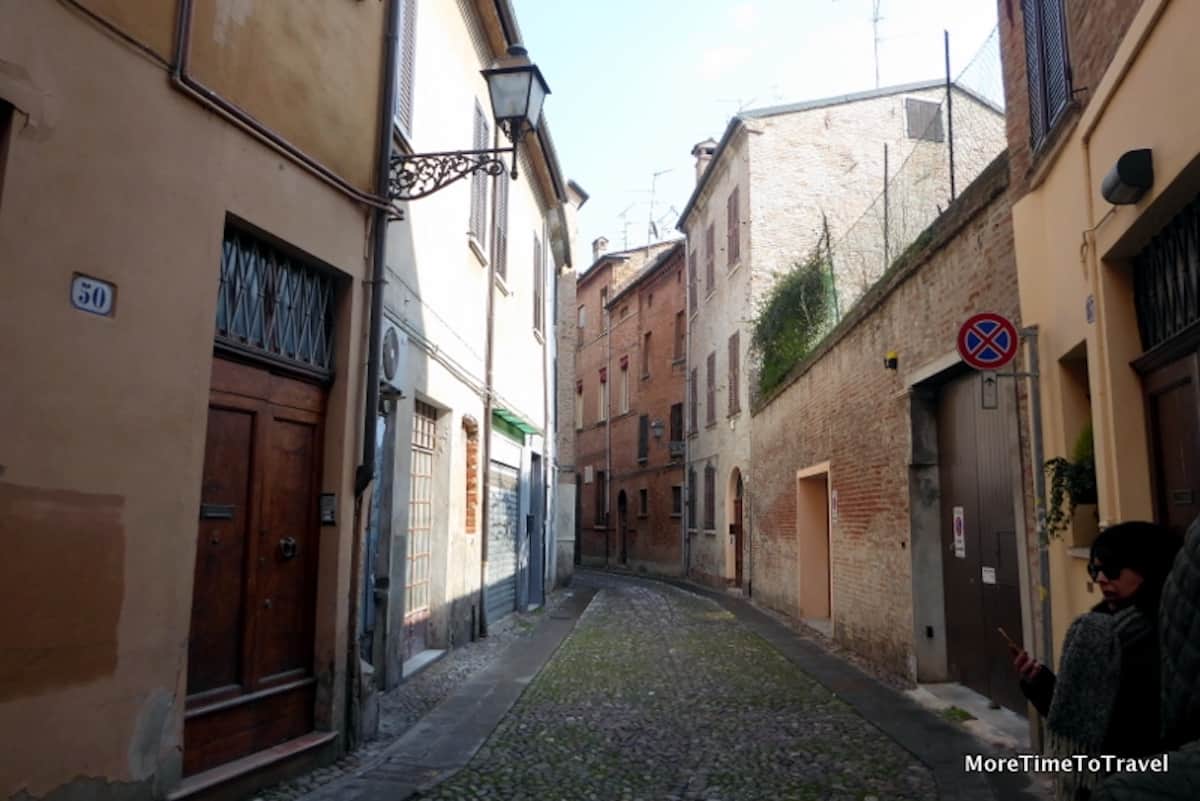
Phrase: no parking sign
x=988 y=341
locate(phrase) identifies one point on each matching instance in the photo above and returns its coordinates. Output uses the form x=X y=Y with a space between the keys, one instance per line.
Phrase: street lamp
x=517 y=90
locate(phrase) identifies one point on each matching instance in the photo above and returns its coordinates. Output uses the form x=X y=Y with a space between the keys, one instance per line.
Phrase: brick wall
x=842 y=407
x=1094 y=31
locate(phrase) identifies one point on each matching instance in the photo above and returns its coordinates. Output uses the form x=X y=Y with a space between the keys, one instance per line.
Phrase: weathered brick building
x=860 y=473
x=598 y=395
x=646 y=463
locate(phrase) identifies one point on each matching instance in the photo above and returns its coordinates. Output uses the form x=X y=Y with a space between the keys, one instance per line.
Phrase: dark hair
x=1147 y=548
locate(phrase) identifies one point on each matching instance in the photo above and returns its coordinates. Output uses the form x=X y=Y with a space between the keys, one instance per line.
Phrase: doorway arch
x=736 y=518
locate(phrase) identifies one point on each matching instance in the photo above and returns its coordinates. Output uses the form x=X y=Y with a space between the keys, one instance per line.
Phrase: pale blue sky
x=636 y=83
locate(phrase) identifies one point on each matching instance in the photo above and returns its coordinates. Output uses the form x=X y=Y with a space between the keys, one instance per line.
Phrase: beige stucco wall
x=102 y=420
x=1143 y=100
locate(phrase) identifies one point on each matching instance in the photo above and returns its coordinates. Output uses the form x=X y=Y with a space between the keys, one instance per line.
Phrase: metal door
x=980 y=572
x=1173 y=407
x=503 y=525
x=250 y=681
x=537 y=538
x=420 y=530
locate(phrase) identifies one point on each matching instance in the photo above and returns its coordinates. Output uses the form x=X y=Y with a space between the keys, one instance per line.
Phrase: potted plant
x=1073 y=500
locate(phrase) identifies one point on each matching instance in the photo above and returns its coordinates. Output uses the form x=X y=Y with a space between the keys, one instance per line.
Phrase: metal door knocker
x=288 y=547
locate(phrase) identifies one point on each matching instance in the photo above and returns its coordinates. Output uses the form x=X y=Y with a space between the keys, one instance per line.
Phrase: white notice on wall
x=960 y=536
x=989 y=575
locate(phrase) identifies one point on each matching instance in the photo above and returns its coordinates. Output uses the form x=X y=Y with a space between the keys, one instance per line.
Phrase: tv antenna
x=624 y=216
x=651 y=228
x=875 y=20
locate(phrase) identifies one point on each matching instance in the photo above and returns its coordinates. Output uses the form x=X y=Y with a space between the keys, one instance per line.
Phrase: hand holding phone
x=1012 y=646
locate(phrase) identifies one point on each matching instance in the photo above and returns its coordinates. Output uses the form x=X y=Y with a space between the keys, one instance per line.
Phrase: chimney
x=703 y=153
x=599 y=247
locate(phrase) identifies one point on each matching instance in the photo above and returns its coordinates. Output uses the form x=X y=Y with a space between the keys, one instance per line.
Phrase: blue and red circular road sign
x=988 y=341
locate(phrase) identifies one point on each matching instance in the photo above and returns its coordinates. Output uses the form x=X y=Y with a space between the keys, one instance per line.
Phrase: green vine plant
x=795 y=316
x=1072 y=483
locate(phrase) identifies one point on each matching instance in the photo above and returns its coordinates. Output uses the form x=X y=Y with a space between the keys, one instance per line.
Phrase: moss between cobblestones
x=659 y=694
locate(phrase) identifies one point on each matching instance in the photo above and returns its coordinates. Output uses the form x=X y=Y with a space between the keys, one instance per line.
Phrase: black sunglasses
x=1110 y=571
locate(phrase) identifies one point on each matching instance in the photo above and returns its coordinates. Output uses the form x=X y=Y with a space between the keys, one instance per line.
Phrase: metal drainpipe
x=687 y=408
x=485 y=500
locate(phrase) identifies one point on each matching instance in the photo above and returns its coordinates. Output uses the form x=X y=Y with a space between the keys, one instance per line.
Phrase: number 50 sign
x=92 y=295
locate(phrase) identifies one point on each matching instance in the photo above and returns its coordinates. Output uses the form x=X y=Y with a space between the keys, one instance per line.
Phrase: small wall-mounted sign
x=93 y=295
x=1089 y=309
x=960 y=534
x=991 y=390
x=989 y=575
x=328 y=509
x=833 y=507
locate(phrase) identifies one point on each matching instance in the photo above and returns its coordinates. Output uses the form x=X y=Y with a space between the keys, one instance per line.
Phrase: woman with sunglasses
x=1104 y=699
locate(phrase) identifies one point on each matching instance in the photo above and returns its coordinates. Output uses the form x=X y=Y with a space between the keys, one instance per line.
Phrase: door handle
x=288 y=547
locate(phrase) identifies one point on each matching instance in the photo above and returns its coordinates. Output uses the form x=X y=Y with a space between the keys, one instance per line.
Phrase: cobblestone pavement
x=403 y=706
x=661 y=694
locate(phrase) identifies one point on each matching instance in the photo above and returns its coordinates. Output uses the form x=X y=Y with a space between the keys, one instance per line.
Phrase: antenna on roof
x=651 y=228
x=624 y=215
x=875 y=19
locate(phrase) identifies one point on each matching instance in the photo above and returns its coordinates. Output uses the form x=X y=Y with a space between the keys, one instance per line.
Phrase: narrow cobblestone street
x=661 y=694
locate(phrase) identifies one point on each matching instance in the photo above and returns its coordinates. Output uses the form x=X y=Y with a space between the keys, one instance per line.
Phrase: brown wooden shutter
x=1030 y=11
x=733 y=247
x=406 y=66
x=1055 y=71
x=734 y=365
x=710 y=397
x=680 y=335
x=710 y=258
x=693 y=279
x=691 y=498
x=694 y=400
x=710 y=493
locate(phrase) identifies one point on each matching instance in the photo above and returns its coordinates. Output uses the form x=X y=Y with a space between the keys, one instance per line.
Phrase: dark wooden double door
x=250 y=648
x=981 y=577
x=1173 y=407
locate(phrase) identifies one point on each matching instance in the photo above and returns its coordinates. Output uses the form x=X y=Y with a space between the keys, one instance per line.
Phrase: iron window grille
x=272 y=304
x=1166 y=279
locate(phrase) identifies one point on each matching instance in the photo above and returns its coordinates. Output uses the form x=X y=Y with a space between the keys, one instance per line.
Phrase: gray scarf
x=1086 y=691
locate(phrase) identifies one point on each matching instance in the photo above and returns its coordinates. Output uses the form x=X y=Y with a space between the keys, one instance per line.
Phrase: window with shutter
x=693 y=400
x=677 y=422
x=478 y=219
x=710 y=397
x=692 y=279
x=643 y=448
x=710 y=258
x=600 y=505
x=406 y=61
x=676 y=501
x=710 y=493
x=734 y=364
x=680 y=335
x=646 y=355
x=691 y=498
x=500 y=252
x=1047 y=67
x=538 y=287
x=733 y=248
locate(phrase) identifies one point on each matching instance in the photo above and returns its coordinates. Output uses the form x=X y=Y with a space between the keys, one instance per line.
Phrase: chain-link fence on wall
x=966 y=129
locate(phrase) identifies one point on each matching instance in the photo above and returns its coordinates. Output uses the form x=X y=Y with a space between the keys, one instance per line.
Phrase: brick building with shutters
x=761 y=196
x=611 y=359
x=1110 y=282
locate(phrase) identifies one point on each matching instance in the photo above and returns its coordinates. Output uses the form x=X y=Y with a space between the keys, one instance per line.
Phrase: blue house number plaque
x=92 y=295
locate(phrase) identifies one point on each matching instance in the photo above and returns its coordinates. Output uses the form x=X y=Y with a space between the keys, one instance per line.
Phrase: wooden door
x=980 y=571
x=1173 y=407
x=735 y=529
x=250 y=647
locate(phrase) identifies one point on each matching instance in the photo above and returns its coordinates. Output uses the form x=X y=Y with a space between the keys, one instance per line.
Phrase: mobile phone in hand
x=1012 y=646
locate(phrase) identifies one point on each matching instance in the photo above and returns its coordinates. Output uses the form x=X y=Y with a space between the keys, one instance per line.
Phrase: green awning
x=516 y=421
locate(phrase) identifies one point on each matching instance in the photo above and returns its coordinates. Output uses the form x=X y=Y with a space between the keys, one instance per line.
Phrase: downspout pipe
x=379 y=230
x=488 y=392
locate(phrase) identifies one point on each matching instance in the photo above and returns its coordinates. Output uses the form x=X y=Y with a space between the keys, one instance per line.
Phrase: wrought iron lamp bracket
x=417 y=175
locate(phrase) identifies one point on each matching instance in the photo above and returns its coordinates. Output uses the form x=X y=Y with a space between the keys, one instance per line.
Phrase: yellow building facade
x=1111 y=288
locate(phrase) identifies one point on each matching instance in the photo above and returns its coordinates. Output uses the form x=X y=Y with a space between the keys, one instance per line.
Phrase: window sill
x=678 y=360
x=733 y=414
x=502 y=286
x=538 y=336
x=737 y=265
x=645 y=377
x=1045 y=155
x=477 y=248
x=677 y=515
x=711 y=425
x=708 y=295
x=710 y=532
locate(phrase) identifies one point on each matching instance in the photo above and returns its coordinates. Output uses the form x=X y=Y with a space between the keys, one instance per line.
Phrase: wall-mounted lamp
x=891 y=361
x=1129 y=179
x=517 y=89
x=656 y=428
